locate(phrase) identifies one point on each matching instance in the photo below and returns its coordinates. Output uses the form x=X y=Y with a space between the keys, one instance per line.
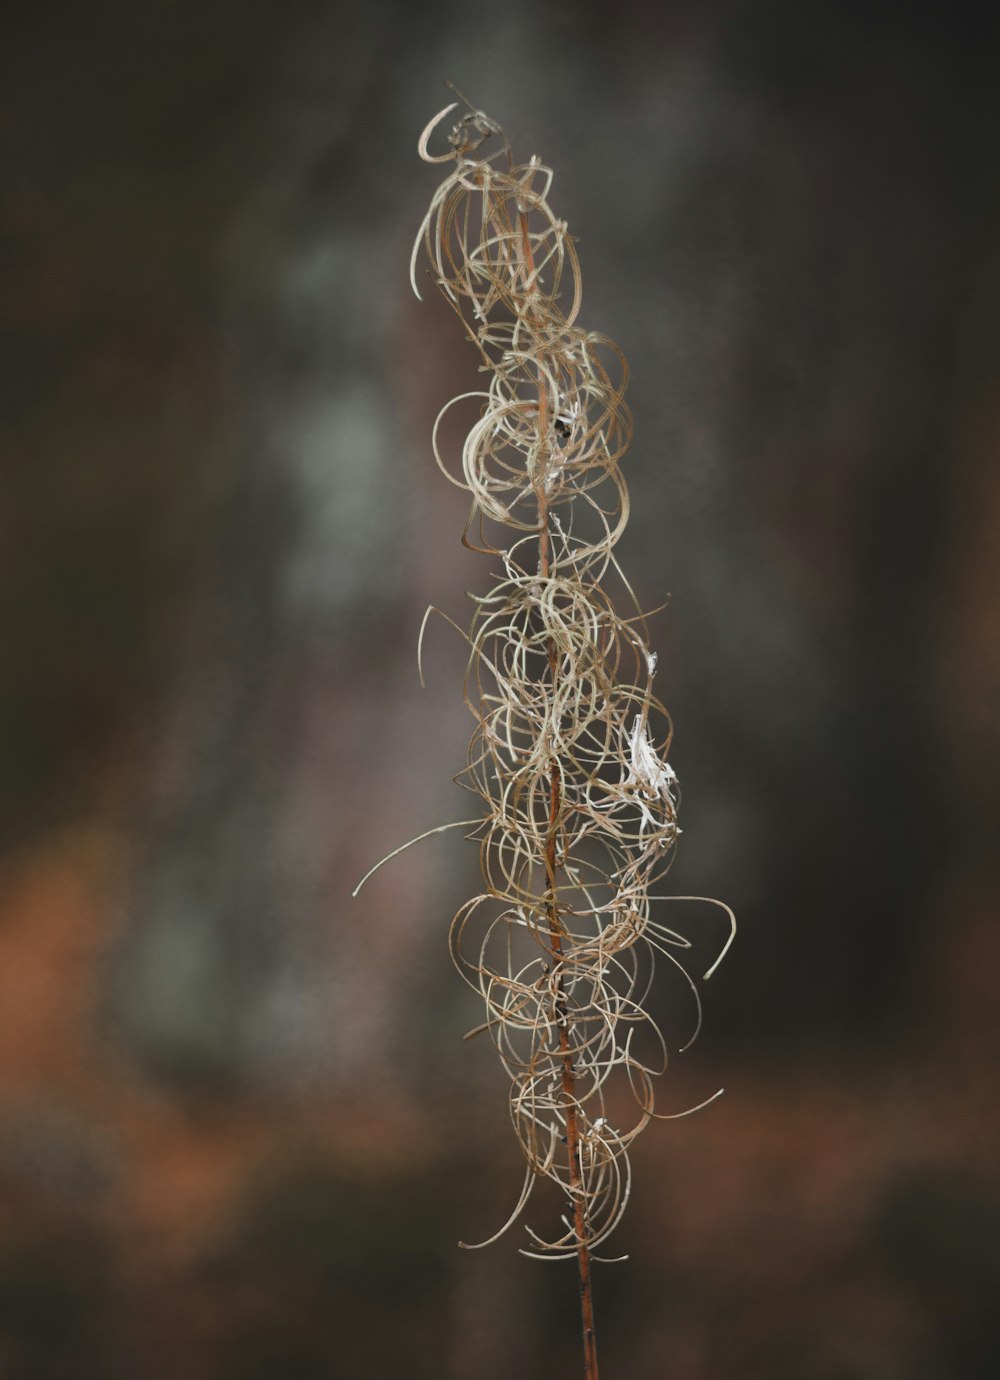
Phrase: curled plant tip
x=569 y=753
x=429 y=129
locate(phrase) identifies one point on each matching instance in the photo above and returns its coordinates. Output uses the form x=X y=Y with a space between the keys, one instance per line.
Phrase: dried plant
x=569 y=753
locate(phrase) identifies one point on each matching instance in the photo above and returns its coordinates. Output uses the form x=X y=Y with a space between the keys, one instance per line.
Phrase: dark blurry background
x=240 y=1135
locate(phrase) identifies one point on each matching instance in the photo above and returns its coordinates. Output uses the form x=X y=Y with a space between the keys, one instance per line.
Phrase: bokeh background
x=240 y=1135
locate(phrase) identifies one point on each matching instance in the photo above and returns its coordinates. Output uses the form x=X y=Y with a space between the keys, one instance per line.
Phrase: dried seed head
x=569 y=754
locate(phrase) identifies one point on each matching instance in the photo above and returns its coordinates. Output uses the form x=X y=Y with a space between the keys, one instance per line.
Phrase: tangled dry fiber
x=569 y=752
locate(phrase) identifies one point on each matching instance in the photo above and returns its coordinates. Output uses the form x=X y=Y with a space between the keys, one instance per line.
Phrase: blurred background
x=240 y=1134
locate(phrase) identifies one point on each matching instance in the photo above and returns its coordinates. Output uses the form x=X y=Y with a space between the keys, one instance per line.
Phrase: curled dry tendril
x=569 y=752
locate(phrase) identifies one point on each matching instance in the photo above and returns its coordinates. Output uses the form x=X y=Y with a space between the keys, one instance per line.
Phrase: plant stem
x=569 y=1092
x=556 y=930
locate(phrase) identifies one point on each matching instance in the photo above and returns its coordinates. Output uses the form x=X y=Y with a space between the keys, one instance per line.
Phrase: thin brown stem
x=577 y=1193
x=569 y=1090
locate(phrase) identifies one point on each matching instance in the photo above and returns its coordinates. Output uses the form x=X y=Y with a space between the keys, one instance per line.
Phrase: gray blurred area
x=240 y=1134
